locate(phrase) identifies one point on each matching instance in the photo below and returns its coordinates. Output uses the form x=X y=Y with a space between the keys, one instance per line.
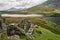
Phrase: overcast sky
x=7 y=4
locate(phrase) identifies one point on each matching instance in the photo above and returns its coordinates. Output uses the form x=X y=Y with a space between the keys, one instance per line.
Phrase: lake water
x=21 y=15
x=53 y=19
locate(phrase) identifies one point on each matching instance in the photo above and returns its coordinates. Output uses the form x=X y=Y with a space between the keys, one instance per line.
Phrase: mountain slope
x=48 y=6
x=14 y=9
x=44 y=35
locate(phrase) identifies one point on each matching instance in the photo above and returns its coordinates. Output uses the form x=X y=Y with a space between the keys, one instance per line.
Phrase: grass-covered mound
x=46 y=35
x=46 y=30
x=53 y=27
x=40 y=34
x=43 y=34
x=55 y=15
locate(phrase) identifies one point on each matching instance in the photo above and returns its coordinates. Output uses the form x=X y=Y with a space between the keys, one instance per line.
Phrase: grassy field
x=53 y=27
x=44 y=35
x=46 y=30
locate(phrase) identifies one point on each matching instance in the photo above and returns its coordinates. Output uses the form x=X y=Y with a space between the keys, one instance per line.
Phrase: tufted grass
x=44 y=35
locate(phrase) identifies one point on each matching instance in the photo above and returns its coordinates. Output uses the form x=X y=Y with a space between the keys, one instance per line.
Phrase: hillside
x=43 y=29
x=46 y=7
x=44 y=35
x=53 y=27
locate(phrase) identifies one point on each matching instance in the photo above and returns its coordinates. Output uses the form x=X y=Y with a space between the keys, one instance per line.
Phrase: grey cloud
x=18 y=4
x=18 y=0
x=1 y=4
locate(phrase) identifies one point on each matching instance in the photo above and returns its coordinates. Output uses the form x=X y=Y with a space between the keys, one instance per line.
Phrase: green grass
x=53 y=27
x=44 y=35
x=48 y=29
x=55 y=15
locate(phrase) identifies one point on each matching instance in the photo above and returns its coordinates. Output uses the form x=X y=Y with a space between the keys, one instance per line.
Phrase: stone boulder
x=14 y=37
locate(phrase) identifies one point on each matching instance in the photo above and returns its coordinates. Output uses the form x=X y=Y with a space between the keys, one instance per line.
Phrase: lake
x=53 y=19
x=21 y=15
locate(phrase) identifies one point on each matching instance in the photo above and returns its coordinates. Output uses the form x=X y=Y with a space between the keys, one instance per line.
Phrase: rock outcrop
x=25 y=27
x=14 y=37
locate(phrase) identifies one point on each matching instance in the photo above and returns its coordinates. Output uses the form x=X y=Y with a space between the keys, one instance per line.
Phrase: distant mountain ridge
x=55 y=3
x=14 y=9
x=48 y=6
